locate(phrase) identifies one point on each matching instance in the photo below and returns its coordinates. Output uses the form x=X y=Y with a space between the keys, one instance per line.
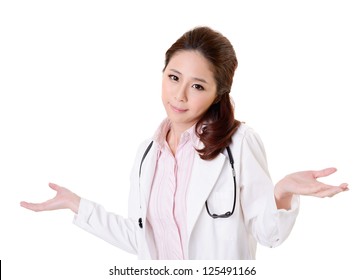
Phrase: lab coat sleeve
x=115 y=229
x=110 y=227
x=268 y=225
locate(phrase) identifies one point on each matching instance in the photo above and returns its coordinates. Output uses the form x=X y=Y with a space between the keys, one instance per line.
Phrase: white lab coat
x=256 y=218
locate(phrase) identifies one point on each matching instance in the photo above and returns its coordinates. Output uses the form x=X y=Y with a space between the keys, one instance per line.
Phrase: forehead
x=191 y=61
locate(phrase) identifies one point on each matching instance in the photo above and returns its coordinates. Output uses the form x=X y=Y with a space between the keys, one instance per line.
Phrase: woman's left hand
x=306 y=183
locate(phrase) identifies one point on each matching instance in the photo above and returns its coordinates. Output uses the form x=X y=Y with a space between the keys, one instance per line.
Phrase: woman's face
x=188 y=88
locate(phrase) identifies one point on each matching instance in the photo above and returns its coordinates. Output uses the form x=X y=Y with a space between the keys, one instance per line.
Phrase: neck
x=173 y=137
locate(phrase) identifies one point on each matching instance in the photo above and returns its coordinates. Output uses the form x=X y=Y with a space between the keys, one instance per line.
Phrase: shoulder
x=244 y=131
x=246 y=138
x=143 y=146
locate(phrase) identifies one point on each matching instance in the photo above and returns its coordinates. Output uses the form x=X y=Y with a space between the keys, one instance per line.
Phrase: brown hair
x=218 y=124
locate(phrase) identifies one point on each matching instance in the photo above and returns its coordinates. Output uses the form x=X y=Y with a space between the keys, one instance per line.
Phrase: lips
x=178 y=110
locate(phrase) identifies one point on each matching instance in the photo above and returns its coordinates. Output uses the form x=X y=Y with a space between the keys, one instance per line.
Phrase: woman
x=200 y=188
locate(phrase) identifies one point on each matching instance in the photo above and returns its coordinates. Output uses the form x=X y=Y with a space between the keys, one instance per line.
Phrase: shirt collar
x=161 y=134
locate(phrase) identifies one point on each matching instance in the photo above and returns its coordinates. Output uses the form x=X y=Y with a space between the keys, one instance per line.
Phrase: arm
x=91 y=217
x=267 y=224
x=269 y=210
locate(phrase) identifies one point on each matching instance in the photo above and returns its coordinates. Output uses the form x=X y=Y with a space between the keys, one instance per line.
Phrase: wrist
x=282 y=196
x=280 y=191
x=74 y=203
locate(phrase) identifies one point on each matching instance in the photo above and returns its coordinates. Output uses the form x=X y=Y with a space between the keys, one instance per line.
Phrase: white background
x=80 y=89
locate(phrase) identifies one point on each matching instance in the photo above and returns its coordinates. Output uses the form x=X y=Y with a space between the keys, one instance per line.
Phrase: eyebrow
x=195 y=78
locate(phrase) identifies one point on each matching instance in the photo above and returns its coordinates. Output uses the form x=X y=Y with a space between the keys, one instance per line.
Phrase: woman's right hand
x=64 y=199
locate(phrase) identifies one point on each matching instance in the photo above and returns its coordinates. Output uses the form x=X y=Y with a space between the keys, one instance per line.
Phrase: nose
x=181 y=94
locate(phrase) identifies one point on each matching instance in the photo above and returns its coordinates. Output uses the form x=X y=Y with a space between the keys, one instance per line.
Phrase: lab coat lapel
x=147 y=175
x=203 y=178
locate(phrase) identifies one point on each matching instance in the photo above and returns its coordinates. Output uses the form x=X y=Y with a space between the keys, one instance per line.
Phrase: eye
x=173 y=77
x=198 y=87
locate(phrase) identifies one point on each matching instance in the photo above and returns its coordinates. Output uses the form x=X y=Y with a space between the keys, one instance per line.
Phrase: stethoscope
x=214 y=216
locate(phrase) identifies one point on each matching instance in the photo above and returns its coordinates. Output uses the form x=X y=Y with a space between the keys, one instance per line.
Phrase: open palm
x=64 y=199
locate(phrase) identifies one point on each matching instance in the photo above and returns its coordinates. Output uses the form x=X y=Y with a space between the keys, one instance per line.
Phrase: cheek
x=203 y=104
x=165 y=96
x=165 y=90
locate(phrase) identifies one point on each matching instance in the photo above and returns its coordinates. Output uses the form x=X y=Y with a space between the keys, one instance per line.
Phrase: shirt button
x=140 y=222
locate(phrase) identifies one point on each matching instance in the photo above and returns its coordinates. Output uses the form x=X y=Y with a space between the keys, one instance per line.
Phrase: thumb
x=324 y=172
x=54 y=186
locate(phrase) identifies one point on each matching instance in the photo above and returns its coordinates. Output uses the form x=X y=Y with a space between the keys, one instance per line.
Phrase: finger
x=54 y=186
x=33 y=206
x=330 y=192
x=318 y=188
x=344 y=187
x=324 y=172
x=314 y=188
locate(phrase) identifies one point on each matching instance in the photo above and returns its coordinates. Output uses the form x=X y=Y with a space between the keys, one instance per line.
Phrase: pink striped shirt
x=167 y=203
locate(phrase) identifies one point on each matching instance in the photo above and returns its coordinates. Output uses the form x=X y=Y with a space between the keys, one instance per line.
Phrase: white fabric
x=256 y=218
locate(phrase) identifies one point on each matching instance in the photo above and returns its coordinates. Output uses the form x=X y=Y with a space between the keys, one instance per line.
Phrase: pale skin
x=188 y=90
